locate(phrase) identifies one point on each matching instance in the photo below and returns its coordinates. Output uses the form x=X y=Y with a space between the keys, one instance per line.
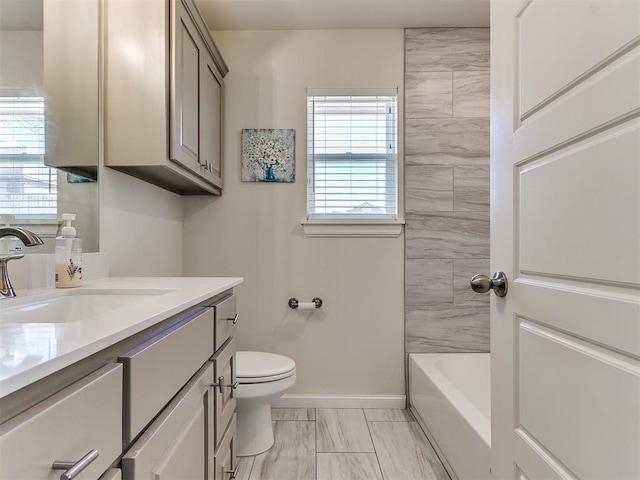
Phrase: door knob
x=482 y=284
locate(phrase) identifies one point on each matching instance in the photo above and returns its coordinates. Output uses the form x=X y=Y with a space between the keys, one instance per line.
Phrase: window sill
x=326 y=227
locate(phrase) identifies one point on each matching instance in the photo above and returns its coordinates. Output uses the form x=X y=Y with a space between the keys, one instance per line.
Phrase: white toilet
x=262 y=377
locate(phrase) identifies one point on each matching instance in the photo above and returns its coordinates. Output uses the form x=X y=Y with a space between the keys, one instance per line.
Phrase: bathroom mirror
x=49 y=114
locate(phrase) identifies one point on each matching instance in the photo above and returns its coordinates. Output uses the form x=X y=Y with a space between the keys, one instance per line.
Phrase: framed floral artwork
x=268 y=155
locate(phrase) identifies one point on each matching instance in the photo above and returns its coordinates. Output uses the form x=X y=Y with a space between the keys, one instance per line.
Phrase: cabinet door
x=225 y=394
x=225 y=461
x=85 y=416
x=70 y=79
x=225 y=314
x=178 y=444
x=211 y=121
x=187 y=49
x=113 y=474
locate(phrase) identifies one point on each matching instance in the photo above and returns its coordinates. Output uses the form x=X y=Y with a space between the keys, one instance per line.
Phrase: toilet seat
x=262 y=367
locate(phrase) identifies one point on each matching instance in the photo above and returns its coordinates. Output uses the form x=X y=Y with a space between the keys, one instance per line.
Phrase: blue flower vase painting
x=268 y=155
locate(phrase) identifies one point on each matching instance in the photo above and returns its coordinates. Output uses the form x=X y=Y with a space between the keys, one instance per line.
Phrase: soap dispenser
x=68 y=255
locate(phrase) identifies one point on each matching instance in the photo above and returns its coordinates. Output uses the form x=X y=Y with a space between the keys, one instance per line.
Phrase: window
x=352 y=149
x=28 y=188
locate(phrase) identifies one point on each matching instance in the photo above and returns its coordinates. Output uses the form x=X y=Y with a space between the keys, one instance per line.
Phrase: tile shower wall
x=446 y=188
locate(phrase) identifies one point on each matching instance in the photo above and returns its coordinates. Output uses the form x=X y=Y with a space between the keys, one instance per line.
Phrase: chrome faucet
x=30 y=239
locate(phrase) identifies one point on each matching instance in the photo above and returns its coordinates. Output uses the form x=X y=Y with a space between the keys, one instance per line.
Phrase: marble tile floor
x=344 y=444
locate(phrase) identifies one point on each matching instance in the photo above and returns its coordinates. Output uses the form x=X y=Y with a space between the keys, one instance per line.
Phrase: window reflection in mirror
x=49 y=72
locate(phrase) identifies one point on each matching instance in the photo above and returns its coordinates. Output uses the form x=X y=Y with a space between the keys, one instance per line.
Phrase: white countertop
x=31 y=351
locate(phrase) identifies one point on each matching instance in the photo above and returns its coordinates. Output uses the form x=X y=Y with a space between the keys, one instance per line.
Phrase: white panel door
x=565 y=227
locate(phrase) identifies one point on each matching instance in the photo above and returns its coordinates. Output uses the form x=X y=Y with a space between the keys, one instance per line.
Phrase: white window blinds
x=28 y=188
x=352 y=149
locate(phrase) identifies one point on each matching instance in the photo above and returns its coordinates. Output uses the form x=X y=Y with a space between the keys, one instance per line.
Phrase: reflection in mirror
x=49 y=73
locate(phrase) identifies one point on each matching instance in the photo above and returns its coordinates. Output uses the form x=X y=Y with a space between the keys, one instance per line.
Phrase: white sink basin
x=74 y=305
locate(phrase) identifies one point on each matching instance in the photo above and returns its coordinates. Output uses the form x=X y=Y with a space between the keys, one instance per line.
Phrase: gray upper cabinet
x=70 y=68
x=211 y=124
x=163 y=95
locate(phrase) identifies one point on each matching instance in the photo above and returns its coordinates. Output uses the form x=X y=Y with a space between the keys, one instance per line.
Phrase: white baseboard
x=340 y=401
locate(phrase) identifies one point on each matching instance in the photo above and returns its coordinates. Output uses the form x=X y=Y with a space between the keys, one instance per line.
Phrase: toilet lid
x=251 y=367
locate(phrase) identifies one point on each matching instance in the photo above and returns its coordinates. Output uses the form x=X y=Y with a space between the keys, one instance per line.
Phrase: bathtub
x=450 y=393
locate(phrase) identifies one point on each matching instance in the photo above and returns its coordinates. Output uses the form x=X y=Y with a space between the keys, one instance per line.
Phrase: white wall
x=21 y=60
x=140 y=227
x=354 y=344
x=81 y=199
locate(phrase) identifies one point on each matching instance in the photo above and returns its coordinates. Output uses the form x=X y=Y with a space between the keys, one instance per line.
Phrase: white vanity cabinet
x=194 y=434
x=224 y=361
x=83 y=417
x=163 y=93
x=158 y=402
x=225 y=466
x=178 y=444
x=155 y=370
x=113 y=474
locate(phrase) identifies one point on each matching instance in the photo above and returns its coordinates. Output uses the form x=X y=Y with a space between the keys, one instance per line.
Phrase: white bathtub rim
x=480 y=423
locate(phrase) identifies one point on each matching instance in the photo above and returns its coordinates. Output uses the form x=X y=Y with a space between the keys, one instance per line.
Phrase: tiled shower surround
x=446 y=188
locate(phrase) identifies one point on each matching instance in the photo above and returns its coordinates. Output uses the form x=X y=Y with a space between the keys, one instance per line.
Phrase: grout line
x=251 y=461
x=315 y=440
x=375 y=451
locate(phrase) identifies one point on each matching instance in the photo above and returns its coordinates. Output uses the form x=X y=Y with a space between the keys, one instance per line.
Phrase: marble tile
x=404 y=452
x=245 y=465
x=463 y=270
x=292 y=456
x=471 y=94
x=428 y=188
x=293 y=414
x=388 y=415
x=342 y=430
x=447 y=235
x=446 y=141
x=471 y=188
x=428 y=94
x=348 y=466
x=439 y=49
x=428 y=281
x=447 y=329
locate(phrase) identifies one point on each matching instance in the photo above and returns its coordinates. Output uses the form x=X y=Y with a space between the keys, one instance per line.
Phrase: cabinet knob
x=74 y=468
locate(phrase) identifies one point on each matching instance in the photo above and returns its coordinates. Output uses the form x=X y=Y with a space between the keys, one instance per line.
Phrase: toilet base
x=254 y=430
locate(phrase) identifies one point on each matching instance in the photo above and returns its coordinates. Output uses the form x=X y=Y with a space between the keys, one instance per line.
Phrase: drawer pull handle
x=233 y=473
x=221 y=385
x=234 y=319
x=74 y=468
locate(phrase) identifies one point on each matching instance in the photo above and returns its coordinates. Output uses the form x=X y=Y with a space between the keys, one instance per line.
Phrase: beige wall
x=140 y=227
x=354 y=344
x=81 y=199
x=21 y=60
